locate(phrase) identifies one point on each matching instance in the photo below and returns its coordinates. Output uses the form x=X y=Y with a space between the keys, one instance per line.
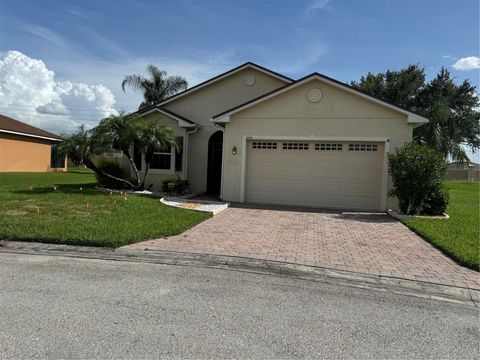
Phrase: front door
x=214 y=174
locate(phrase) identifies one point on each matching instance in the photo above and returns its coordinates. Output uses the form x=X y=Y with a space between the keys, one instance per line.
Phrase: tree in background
x=119 y=132
x=157 y=87
x=452 y=109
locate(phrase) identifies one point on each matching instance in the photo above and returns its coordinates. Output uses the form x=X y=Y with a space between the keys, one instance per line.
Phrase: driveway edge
x=382 y=283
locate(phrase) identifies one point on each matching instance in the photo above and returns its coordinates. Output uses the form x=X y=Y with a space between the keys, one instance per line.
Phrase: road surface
x=58 y=307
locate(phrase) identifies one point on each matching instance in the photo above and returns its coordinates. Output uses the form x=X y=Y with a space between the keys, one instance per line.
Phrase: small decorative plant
x=176 y=185
x=417 y=173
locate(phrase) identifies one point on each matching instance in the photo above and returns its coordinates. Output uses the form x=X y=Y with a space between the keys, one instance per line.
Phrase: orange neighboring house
x=26 y=148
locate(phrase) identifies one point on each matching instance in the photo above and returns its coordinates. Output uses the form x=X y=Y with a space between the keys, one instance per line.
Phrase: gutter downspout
x=185 y=173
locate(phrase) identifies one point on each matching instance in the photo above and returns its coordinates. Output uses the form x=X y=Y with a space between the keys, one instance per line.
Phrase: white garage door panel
x=318 y=178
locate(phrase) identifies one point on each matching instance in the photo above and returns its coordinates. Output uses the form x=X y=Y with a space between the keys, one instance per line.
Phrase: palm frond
x=136 y=82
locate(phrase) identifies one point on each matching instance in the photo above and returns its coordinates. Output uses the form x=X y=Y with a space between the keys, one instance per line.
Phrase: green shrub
x=417 y=172
x=176 y=185
x=436 y=202
x=113 y=168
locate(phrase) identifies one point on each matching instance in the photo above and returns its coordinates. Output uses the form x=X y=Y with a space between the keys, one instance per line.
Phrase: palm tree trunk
x=132 y=164
x=91 y=165
x=147 y=168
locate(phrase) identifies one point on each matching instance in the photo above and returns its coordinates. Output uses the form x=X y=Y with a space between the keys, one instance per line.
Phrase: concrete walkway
x=367 y=244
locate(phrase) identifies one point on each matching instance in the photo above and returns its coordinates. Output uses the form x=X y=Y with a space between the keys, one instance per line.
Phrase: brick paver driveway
x=366 y=243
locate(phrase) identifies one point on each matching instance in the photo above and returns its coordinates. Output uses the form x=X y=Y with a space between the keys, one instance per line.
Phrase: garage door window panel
x=295 y=146
x=264 y=145
x=362 y=147
x=328 y=147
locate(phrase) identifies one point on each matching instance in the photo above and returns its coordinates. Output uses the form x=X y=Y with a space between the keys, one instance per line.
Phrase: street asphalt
x=59 y=307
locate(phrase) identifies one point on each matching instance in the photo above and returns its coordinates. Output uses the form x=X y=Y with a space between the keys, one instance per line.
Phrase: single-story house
x=463 y=171
x=26 y=148
x=257 y=136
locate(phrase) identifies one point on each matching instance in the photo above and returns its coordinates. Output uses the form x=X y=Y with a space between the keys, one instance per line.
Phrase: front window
x=162 y=159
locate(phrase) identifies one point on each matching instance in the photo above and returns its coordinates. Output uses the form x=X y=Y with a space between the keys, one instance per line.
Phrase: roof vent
x=314 y=95
x=250 y=80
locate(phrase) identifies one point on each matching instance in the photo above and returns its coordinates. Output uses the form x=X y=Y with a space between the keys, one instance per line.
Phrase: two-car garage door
x=324 y=174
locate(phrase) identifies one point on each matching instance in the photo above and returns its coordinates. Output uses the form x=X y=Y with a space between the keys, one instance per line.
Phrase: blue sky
x=99 y=42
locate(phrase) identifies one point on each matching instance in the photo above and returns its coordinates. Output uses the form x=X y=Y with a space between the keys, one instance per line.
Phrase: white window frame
x=172 y=162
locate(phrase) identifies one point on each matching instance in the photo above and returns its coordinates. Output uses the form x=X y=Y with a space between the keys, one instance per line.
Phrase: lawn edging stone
x=400 y=216
x=212 y=207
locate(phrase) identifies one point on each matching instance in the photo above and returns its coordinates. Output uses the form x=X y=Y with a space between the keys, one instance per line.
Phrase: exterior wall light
x=234 y=150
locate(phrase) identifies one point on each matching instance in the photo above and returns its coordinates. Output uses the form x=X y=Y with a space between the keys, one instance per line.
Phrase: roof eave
x=30 y=135
x=416 y=119
x=221 y=119
x=181 y=122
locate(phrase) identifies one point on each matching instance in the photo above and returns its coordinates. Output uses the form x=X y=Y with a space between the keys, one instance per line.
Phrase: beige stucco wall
x=21 y=153
x=338 y=114
x=201 y=105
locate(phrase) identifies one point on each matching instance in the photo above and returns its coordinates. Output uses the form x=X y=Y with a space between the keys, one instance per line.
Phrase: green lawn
x=69 y=215
x=458 y=236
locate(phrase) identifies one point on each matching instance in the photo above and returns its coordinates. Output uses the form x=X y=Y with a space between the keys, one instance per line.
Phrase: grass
x=458 y=236
x=31 y=209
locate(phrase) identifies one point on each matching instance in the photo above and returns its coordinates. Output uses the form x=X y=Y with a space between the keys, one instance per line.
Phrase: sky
x=62 y=62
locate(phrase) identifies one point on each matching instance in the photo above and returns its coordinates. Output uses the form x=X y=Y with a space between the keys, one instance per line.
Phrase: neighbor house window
x=179 y=155
x=56 y=159
x=162 y=159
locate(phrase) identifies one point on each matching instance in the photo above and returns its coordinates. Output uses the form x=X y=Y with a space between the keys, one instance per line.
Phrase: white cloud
x=315 y=6
x=467 y=63
x=46 y=34
x=195 y=68
x=29 y=92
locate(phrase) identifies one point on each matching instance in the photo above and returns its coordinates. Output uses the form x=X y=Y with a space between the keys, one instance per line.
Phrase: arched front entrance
x=214 y=170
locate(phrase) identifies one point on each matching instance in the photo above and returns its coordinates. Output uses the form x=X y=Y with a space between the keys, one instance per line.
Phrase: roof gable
x=247 y=65
x=411 y=116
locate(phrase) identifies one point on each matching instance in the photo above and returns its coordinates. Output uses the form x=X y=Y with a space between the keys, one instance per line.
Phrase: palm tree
x=152 y=137
x=119 y=132
x=157 y=87
x=124 y=131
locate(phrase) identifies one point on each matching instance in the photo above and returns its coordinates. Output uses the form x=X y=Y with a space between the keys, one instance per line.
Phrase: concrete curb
x=382 y=283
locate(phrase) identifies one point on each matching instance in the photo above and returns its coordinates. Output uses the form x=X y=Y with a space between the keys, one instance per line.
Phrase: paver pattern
x=364 y=243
